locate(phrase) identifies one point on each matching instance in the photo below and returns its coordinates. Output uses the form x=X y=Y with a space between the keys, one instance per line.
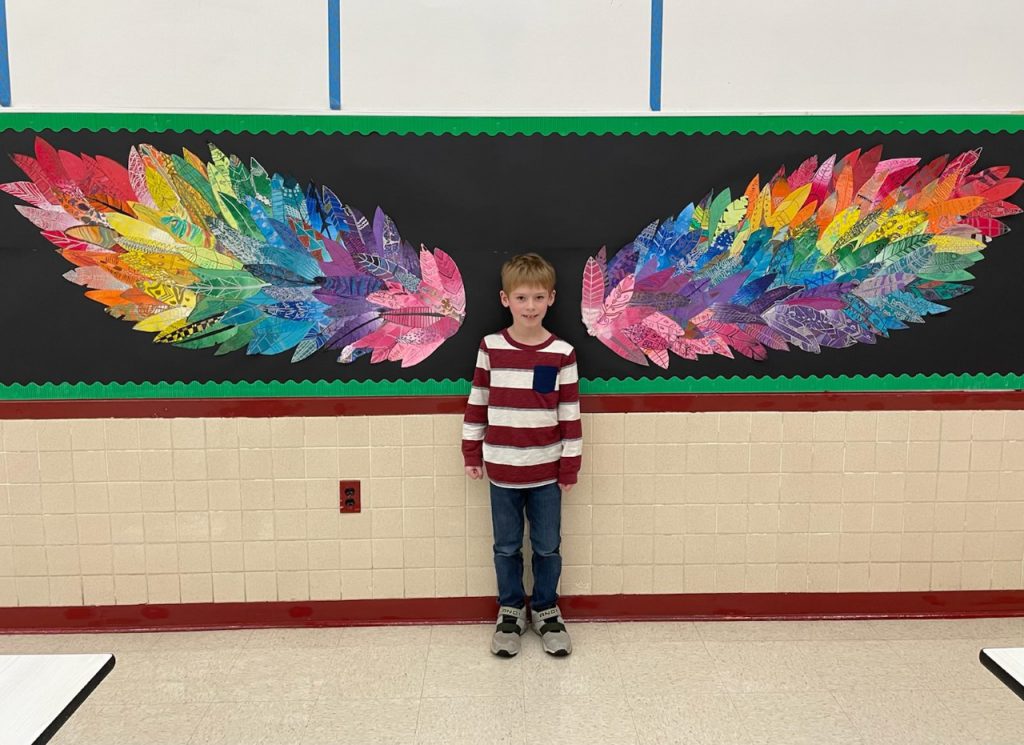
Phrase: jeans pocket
x=544 y=377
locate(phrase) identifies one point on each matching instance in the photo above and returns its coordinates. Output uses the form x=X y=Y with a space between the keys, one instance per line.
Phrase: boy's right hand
x=474 y=472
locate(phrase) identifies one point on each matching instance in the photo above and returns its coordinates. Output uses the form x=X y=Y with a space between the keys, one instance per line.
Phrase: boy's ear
x=504 y=297
x=552 y=301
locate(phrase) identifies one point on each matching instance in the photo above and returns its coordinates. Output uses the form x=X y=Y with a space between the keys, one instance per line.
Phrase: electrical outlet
x=348 y=496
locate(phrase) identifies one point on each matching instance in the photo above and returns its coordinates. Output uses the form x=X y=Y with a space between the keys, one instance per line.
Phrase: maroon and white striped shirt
x=523 y=414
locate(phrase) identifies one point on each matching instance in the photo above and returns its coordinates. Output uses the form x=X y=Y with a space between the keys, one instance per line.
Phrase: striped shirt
x=523 y=414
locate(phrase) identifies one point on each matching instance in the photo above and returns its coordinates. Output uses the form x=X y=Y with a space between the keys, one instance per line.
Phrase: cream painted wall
x=135 y=511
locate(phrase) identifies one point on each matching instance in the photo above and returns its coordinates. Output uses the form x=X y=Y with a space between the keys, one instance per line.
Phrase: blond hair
x=527 y=270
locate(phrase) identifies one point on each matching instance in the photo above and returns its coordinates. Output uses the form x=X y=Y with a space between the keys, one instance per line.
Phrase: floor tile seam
x=423 y=678
x=854 y=723
x=636 y=730
x=211 y=702
x=747 y=723
x=195 y=727
x=722 y=668
x=753 y=736
x=860 y=722
x=471 y=698
x=419 y=713
x=518 y=727
x=305 y=725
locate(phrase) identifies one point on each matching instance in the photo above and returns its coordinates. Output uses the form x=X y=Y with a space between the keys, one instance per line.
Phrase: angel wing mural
x=217 y=254
x=830 y=255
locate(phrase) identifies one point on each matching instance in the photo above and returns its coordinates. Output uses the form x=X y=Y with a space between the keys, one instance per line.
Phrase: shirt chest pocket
x=544 y=378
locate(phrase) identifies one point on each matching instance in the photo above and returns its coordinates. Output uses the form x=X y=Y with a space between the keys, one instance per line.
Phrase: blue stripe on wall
x=333 y=51
x=657 y=10
x=5 y=68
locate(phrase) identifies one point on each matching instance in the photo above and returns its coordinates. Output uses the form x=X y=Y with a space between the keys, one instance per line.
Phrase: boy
x=523 y=421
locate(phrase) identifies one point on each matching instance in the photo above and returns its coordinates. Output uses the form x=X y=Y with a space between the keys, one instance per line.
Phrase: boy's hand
x=566 y=487
x=474 y=472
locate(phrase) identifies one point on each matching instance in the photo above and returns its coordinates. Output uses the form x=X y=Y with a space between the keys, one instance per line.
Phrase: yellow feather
x=735 y=212
x=163 y=320
x=699 y=218
x=168 y=332
x=203 y=258
x=789 y=207
x=141 y=236
x=218 y=174
x=955 y=244
x=169 y=294
x=147 y=214
x=162 y=193
x=839 y=225
x=900 y=225
x=739 y=242
x=159 y=266
x=761 y=207
x=138 y=230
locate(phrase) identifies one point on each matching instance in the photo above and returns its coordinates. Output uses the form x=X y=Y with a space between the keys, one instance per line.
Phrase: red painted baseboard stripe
x=691 y=607
x=605 y=403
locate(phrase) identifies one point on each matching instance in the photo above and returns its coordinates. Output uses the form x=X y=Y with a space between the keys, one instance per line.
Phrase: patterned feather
x=225 y=256
x=830 y=256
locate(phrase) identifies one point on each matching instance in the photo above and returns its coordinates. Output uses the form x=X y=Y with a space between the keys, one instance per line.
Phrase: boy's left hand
x=566 y=487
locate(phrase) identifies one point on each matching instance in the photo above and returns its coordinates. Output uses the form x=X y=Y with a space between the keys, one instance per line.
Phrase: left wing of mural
x=216 y=254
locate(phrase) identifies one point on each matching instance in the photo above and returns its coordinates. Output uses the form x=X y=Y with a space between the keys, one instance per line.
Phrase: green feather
x=717 y=209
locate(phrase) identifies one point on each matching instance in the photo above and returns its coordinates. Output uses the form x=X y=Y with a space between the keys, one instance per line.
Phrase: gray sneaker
x=549 y=625
x=511 y=625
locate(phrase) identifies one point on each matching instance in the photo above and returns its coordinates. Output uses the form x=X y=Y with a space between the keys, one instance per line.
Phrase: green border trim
x=472 y=125
x=447 y=387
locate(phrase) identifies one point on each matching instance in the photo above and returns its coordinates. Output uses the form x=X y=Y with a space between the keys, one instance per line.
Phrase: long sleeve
x=569 y=421
x=474 y=424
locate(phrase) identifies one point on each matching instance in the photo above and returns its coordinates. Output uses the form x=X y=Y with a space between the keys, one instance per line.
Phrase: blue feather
x=273 y=335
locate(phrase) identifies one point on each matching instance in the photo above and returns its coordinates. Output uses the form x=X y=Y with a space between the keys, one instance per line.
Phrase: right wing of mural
x=215 y=254
x=829 y=256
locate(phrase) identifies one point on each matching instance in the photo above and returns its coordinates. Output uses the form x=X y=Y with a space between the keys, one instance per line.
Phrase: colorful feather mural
x=219 y=255
x=834 y=254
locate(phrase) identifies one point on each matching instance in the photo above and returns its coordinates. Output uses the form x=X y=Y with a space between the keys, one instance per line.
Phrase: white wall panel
x=522 y=57
x=468 y=56
x=110 y=55
x=817 y=56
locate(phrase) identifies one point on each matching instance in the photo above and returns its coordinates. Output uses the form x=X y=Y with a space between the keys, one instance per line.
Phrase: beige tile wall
x=199 y=510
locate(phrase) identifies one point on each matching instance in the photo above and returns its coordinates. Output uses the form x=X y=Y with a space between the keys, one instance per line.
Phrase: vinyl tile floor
x=742 y=682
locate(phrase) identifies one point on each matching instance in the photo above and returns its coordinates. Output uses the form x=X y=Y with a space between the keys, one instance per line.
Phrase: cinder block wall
x=124 y=511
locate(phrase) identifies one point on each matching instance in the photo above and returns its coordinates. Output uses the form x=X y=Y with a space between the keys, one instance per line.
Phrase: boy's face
x=528 y=305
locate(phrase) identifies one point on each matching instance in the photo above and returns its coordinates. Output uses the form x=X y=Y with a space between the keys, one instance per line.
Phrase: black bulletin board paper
x=482 y=199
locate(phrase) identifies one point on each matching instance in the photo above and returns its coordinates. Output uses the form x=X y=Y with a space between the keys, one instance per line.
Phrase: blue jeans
x=543 y=508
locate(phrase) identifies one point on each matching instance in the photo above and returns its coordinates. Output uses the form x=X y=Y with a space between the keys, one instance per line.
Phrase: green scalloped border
x=492 y=125
x=460 y=387
x=509 y=125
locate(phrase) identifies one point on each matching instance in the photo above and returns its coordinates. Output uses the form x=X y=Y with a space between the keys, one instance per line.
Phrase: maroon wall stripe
x=695 y=607
x=594 y=404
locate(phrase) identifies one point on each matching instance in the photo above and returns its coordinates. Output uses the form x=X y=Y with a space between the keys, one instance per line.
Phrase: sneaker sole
x=553 y=652
x=503 y=653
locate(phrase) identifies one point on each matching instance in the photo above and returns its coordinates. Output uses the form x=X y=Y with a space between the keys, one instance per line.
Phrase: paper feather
x=829 y=256
x=218 y=254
